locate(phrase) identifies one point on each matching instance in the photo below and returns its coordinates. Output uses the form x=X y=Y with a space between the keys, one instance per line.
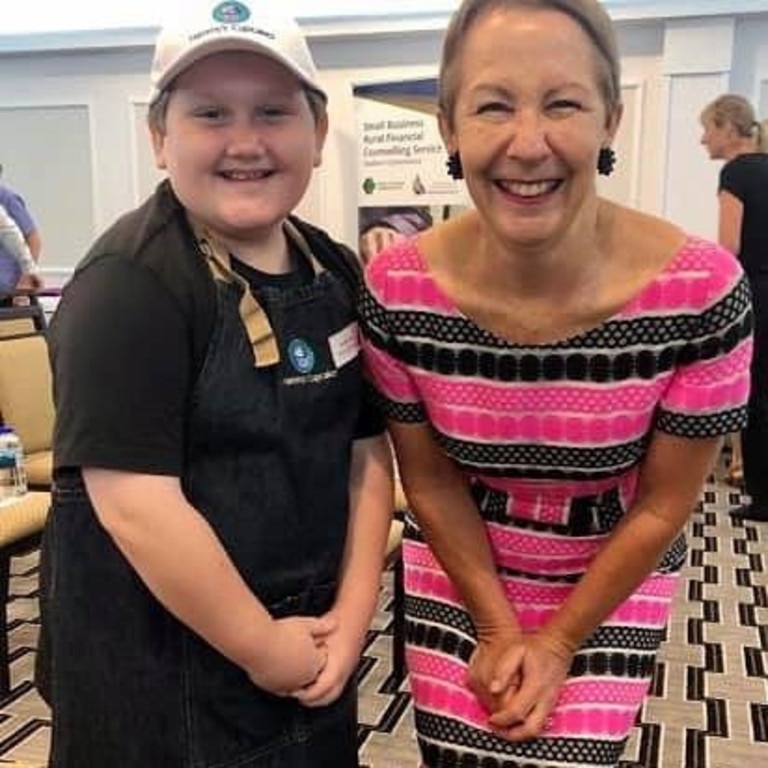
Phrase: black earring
x=453 y=164
x=606 y=161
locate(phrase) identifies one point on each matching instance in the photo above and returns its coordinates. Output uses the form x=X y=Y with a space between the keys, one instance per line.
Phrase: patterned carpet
x=709 y=707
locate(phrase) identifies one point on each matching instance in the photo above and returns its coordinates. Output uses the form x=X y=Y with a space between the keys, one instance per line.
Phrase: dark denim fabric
x=268 y=464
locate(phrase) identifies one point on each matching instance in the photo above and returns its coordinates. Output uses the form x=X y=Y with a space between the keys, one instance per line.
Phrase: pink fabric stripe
x=389 y=375
x=641 y=613
x=542 y=398
x=586 y=690
x=640 y=609
x=436 y=696
x=430 y=665
x=562 y=566
x=398 y=276
x=534 y=493
x=696 y=276
x=418 y=555
x=419 y=558
x=417 y=291
x=514 y=547
x=593 y=721
x=512 y=541
x=726 y=369
x=703 y=391
x=510 y=427
x=585 y=707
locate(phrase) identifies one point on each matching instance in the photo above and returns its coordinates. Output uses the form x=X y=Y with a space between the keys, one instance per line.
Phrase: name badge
x=345 y=345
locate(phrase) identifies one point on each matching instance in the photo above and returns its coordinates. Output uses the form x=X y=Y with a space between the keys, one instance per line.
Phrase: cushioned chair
x=13 y=326
x=23 y=320
x=26 y=402
x=21 y=526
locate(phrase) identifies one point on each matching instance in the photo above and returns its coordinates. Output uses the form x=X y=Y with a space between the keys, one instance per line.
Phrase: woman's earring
x=453 y=164
x=606 y=161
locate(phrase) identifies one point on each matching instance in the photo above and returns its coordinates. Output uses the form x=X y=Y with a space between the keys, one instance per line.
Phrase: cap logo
x=231 y=13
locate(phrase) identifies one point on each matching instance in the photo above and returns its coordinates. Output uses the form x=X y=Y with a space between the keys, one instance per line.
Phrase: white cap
x=204 y=27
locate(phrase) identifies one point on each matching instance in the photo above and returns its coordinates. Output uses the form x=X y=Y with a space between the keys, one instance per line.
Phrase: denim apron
x=269 y=450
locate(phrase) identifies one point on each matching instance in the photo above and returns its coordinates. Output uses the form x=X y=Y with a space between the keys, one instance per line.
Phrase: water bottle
x=13 y=477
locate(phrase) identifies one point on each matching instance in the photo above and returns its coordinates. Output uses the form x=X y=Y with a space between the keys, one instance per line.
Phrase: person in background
x=731 y=132
x=16 y=208
x=558 y=372
x=18 y=268
x=222 y=491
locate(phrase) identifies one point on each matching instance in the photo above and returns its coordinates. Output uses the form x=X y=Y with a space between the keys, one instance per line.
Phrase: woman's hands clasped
x=517 y=678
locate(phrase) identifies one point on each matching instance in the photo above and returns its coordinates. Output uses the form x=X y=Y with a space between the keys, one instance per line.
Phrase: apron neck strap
x=293 y=233
x=254 y=318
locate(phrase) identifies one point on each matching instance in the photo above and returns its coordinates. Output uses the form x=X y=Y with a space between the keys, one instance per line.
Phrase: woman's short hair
x=588 y=14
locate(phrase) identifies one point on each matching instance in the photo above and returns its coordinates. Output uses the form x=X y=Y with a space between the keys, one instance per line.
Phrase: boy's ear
x=158 y=147
x=321 y=134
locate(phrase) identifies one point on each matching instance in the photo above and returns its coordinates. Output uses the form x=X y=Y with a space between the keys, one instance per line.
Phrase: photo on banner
x=403 y=184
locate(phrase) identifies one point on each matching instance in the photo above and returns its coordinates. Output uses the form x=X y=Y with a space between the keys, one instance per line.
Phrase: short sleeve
x=122 y=361
x=12 y=240
x=17 y=210
x=396 y=391
x=708 y=392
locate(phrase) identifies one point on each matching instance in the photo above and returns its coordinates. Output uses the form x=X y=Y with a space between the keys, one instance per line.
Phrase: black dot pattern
x=543 y=461
x=640 y=349
x=660 y=341
x=617 y=637
x=441 y=740
x=712 y=425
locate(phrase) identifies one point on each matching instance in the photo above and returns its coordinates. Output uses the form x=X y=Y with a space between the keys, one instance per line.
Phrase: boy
x=222 y=496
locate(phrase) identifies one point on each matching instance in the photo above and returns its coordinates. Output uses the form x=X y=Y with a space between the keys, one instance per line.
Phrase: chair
x=23 y=320
x=21 y=526
x=13 y=326
x=26 y=402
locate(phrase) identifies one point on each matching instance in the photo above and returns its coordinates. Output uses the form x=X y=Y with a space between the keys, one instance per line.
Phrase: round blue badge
x=231 y=13
x=301 y=356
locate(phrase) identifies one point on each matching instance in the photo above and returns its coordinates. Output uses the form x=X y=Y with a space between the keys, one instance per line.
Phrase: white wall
x=72 y=134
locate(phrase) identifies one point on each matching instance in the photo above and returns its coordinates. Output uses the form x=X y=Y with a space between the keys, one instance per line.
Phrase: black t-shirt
x=746 y=177
x=130 y=335
x=301 y=273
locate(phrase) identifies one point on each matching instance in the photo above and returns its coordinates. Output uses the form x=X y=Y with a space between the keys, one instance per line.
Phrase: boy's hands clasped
x=342 y=650
x=308 y=658
x=294 y=656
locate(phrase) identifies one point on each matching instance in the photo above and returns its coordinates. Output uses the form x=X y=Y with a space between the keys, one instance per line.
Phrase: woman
x=732 y=133
x=557 y=371
x=222 y=498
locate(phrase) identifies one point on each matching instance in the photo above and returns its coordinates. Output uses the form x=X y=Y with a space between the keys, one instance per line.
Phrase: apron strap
x=260 y=333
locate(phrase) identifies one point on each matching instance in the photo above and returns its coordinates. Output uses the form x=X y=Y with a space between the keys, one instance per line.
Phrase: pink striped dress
x=551 y=437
